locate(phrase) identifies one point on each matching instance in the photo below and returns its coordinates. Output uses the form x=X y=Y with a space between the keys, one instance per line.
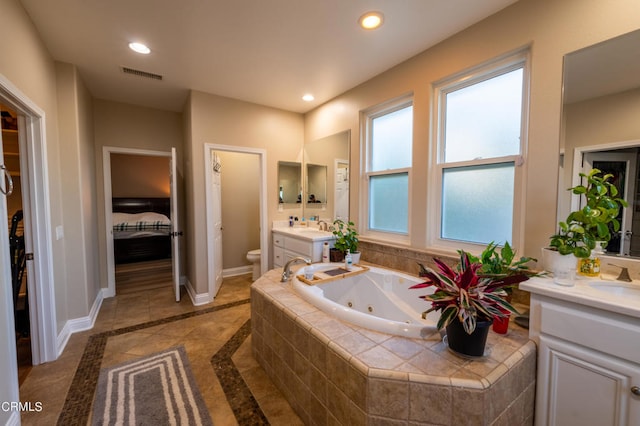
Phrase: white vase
x=355 y=257
x=563 y=267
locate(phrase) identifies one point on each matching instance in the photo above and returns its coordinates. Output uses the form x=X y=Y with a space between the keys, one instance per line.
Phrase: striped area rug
x=158 y=389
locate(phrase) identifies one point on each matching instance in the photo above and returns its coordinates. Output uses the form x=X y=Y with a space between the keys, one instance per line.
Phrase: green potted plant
x=503 y=262
x=346 y=238
x=583 y=228
x=499 y=261
x=467 y=301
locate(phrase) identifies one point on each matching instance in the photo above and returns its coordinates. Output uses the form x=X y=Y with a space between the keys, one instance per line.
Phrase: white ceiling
x=269 y=52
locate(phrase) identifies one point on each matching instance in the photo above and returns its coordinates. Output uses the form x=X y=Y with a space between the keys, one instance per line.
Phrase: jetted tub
x=378 y=299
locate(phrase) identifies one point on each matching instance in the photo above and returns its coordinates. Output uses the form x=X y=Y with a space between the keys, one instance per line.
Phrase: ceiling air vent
x=141 y=73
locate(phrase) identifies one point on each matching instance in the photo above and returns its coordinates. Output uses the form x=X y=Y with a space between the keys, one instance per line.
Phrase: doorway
x=17 y=249
x=141 y=216
x=214 y=156
x=141 y=183
x=622 y=165
x=29 y=152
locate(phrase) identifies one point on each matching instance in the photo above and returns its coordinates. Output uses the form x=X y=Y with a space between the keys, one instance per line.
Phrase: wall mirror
x=289 y=182
x=316 y=184
x=601 y=128
x=327 y=177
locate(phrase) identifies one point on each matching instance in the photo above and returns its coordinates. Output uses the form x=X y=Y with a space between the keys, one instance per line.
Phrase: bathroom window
x=389 y=137
x=481 y=127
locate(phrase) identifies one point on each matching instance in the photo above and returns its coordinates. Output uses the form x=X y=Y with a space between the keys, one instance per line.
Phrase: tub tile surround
x=333 y=372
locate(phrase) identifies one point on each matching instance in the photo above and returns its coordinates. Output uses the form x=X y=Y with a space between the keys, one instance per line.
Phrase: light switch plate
x=59 y=232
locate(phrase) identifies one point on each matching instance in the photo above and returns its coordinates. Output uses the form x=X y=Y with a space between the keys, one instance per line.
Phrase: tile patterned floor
x=218 y=342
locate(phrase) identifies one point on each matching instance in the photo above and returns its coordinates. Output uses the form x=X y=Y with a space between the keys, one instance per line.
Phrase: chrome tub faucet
x=286 y=271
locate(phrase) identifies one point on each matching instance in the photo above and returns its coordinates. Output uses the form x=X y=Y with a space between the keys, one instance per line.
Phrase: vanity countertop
x=598 y=292
x=305 y=233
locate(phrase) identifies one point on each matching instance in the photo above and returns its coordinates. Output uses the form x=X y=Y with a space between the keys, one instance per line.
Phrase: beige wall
x=127 y=126
x=139 y=176
x=27 y=65
x=240 y=185
x=552 y=28
x=218 y=120
x=78 y=196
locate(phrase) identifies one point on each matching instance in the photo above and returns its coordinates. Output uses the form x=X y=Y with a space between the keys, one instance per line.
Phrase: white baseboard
x=240 y=270
x=86 y=323
x=79 y=324
x=197 y=299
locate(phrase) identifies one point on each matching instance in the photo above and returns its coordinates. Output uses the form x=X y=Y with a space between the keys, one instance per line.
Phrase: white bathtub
x=378 y=299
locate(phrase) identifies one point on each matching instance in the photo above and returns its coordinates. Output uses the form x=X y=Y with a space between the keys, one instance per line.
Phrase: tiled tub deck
x=333 y=372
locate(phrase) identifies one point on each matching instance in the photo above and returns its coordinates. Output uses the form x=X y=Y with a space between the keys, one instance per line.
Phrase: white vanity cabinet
x=588 y=358
x=290 y=243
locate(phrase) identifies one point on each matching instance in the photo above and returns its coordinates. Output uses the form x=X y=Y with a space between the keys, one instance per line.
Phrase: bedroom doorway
x=141 y=216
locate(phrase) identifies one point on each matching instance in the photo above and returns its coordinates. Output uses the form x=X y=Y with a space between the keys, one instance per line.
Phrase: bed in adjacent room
x=141 y=229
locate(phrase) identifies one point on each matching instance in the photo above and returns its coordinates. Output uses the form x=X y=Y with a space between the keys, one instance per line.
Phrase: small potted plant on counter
x=346 y=239
x=500 y=261
x=579 y=233
x=467 y=301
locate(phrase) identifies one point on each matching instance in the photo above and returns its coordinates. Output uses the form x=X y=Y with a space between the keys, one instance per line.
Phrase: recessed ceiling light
x=308 y=97
x=140 y=48
x=371 y=20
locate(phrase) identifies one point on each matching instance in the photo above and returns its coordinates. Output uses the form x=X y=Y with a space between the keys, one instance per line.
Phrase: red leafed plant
x=464 y=293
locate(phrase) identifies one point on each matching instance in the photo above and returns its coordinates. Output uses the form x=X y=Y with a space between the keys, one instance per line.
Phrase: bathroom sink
x=614 y=288
x=314 y=232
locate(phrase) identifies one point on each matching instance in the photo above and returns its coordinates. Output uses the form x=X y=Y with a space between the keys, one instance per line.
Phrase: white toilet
x=253 y=256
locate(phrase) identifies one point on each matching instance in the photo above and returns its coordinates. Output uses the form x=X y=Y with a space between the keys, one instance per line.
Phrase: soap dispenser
x=348 y=261
x=590 y=266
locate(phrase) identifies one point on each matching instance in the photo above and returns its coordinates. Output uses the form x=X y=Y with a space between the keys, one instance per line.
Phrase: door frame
x=108 y=206
x=578 y=153
x=37 y=213
x=264 y=236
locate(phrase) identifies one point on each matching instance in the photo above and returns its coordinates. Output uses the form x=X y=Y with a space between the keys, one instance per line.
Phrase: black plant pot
x=468 y=344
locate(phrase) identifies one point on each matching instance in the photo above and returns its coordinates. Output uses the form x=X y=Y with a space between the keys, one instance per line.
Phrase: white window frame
x=483 y=72
x=366 y=131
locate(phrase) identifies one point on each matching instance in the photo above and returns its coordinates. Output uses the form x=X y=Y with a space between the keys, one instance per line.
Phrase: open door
x=175 y=232
x=216 y=221
x=8 y=361
x=622 y=165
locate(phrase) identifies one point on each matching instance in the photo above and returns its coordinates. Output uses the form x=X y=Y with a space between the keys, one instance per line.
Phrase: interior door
x=217 y=220
x=8 y=357
x=175 y=228
x=623 y=166
x=342 y=190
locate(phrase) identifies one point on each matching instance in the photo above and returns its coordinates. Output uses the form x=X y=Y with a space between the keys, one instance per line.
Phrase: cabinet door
x=578 y=386
x=278 y=240
x=278 y=256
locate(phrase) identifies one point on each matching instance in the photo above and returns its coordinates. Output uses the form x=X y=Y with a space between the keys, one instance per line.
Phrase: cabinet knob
x=635 y=390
